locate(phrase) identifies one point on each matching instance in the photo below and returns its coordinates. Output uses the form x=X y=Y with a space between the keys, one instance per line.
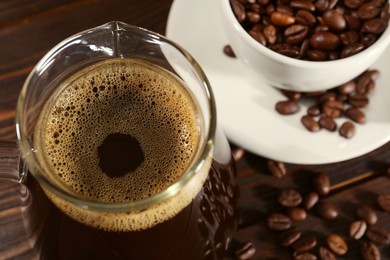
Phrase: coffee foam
x=120 y=96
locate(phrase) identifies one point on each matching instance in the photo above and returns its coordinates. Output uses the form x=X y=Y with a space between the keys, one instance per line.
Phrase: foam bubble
x=118 y=96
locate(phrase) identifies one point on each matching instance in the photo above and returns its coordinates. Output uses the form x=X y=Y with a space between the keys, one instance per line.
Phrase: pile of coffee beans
x=315 y=30
x=347 y=100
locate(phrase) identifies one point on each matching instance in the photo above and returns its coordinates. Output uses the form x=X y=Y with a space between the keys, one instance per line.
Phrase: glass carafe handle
x=12 y=167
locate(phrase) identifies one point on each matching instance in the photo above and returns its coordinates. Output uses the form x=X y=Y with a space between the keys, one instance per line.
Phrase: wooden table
x=28 y=29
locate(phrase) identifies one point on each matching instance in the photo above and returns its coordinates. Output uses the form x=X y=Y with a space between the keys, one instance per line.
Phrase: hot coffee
x=121 y=131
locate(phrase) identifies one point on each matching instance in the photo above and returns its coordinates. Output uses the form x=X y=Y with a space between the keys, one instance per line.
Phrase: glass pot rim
x=195 y=165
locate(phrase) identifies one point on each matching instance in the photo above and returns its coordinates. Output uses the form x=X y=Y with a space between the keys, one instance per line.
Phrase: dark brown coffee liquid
x=119 y=154
x=203 y=230
x=122 y=131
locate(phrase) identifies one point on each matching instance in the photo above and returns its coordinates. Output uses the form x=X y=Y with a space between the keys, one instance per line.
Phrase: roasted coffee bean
x=269 y=33
x=289 y=197
x=321 y=184
x=368 y=10
x=368 y=39
x=384 y=202
x=303 y=4
x=347 y=130
x=317 y=55
x=253 y=17
x=238 y=153
x=282 y=19
x=314 y=111
x=365 y=84
x=356 y=115
x=326 y=254
x=287 y=107
x=335 y=20
x=358 y=100
x=374 y=26
x=238 y=10
x=310 y=123
x=304 y=256
x=367 y=214
x=305 y=243
x=378 y=235
x=349 y=37
x=288 y=237
x=347 y=88
x=294 y=95
x=310 y=200
x=324 y=41
x=296 y=33
x=352 y=49
x=278 y=221
x=277 y=169
x=333 y=108
x=326 y=210
x=287 y=50
x=258 y=36
x=328 y=123
x=297 y=214
x=326 y=97
x=370 y=251
x=227 y=49
x=305 y=18
x=357 y=229
x=245 y=250
x=337 y=244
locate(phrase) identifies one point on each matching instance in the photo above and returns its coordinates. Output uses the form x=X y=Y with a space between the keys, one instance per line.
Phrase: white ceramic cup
x=293 y=74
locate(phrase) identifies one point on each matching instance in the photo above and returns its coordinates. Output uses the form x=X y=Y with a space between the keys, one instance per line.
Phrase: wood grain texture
x=28 y=29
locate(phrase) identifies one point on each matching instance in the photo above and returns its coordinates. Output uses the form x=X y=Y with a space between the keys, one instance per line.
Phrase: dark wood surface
x=28 y=29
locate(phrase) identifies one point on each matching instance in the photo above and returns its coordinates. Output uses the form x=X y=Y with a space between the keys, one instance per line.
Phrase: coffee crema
x=114 y=101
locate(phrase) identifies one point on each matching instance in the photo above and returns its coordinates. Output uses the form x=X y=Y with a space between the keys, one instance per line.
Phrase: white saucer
x=246 y=107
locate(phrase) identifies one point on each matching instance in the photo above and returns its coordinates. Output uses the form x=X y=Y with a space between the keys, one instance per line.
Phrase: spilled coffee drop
x=119 y=154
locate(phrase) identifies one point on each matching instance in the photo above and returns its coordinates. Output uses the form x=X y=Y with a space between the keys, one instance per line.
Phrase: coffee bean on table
x=288 y=237
x=310 y=123
x=370 y=251
x=356 y=115
x=289 y=197
x=277 y=169
x=321 y=184
x=367 y=214
x=310 y=200
x=347 y=130
x=227 y=49
x=358 y=100
x=357 y=229
x=326 y=210
x=384 y=202
x=378 y=235
x=314 y=111
x=278 y=221
x=245 y=250
x=333 y=108
x=287 y=107
x=327 y=123
x=305 y=243
x=337 y=244
x=304 y=256
x=326 y=254
x=296 y=214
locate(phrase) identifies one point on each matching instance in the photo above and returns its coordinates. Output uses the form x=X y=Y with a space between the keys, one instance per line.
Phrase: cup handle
x=12 y=167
